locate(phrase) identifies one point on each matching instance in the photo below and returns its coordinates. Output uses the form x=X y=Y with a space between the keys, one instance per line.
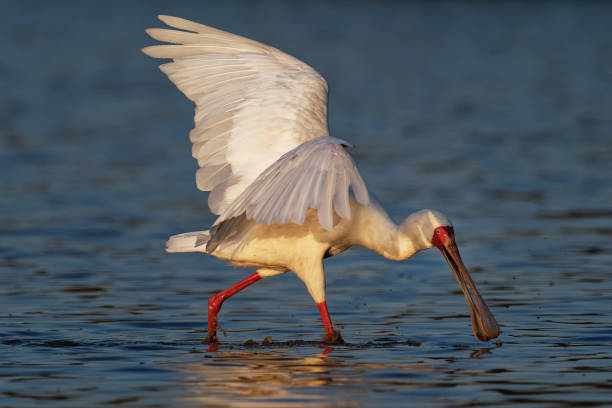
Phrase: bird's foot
x=333 y=338
x=211 y=338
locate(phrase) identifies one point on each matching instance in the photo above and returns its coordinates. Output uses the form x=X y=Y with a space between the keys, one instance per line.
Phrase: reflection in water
x=363 y=375
x=283 y=377
x=262 y=377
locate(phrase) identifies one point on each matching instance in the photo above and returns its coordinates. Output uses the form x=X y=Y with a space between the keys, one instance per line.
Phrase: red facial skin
x=443 y=236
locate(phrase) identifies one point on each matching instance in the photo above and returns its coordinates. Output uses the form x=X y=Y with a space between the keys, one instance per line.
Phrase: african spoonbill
x=286 y=193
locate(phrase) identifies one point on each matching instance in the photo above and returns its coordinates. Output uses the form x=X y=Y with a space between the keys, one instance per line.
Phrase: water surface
x=498 y=116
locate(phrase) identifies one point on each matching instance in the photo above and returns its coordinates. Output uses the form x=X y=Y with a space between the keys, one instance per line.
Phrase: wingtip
x=151 y=33
x=171 y=21
x=147 y=50
x=180 y=23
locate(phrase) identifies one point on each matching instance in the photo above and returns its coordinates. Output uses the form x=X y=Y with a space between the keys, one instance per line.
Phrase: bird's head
x=435 y=229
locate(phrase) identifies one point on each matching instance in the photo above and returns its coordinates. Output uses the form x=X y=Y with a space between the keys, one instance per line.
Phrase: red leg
x=331 y=336
x=215 y=302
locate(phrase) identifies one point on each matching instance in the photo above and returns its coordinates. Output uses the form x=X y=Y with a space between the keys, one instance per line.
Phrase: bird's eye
x=437 y=231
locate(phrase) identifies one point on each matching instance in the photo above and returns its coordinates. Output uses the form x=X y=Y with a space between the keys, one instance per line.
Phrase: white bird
x=286 y=193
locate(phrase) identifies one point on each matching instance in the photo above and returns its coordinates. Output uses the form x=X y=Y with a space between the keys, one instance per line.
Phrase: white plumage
x=316 y=174
x=280 y=185
x=254 y=103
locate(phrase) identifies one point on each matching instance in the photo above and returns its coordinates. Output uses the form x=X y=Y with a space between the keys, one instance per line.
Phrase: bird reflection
x=285 y=374
x=264 y=378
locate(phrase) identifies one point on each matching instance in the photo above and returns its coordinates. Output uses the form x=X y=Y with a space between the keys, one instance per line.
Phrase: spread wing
x=254 y=103
x=317 y=175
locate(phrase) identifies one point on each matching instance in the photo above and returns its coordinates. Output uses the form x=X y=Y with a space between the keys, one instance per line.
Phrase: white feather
x=254 y=103
x=306 y=177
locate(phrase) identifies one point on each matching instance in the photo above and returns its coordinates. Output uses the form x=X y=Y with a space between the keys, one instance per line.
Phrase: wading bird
x=286 y=193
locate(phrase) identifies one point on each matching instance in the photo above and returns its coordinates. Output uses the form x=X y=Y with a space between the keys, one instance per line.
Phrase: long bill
x=484 y=325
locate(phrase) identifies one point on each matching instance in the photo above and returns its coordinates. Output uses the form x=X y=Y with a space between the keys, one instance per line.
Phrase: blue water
x=498 y=115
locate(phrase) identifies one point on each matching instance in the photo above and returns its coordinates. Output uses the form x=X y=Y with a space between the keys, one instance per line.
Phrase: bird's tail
x=188 y=242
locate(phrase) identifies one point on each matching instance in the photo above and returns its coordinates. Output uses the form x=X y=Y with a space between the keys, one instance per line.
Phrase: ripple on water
x=498 y=116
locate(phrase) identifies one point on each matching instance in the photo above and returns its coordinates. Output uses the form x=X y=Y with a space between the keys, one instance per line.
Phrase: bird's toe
x=333 y=338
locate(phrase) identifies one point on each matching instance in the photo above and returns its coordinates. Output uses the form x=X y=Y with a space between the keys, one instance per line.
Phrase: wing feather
x=317 y=174
x=325 y=207
x=341 y=202
x=254 y=103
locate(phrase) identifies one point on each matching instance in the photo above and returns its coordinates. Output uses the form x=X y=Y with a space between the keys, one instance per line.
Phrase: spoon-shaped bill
x=484 y=325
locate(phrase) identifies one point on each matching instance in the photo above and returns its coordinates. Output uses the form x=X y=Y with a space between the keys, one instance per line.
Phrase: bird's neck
x=379 y=233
